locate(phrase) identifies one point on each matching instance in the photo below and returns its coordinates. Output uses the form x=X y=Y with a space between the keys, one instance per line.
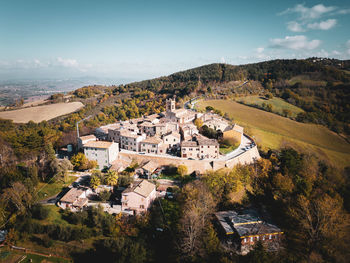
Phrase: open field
x=41 y=113
x=272 y=132
x=49 y=190
x=306 y=81
x=278 y=104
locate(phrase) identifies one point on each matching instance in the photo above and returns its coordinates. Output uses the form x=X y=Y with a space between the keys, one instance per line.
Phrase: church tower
x=170 y=105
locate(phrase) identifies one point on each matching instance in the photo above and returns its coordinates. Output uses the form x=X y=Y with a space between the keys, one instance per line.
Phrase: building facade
x=101 y=151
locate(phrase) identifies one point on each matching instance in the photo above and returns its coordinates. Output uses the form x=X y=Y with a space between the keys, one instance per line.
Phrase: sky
x=128 y=39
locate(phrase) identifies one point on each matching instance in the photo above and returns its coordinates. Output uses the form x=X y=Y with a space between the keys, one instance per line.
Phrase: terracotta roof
x=207 y=142
x=143 y=188
x=127 y=133
x=189 y=144
x=88 y=137
x=72 y=195
x=147 y=124
x=152 y=140
x=173 y=133
x=120 y=164
x=150 y=166
x=80 y=202
x=98 y=144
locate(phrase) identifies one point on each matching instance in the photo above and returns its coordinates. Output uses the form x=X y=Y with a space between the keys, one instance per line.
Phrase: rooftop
x=207 y=142
x=127 y=133
x=143 y=188
x=72 y=195
x=245 y=224
x=150 y=166
x=189 y=144
x=98 y=144
x=153 y=140
x=88 y=137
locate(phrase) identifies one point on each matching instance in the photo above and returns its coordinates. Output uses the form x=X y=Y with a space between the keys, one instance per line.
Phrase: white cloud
x=309 y=13
x=295 y=26
x=343 y=12
x=223 y=60
x=69 y=63
x=323 y=25
x=298 y=42
x=260 y=50
x=336 y=53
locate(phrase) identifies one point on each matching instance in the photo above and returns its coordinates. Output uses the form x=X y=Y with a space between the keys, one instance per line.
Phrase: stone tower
x=170 y=105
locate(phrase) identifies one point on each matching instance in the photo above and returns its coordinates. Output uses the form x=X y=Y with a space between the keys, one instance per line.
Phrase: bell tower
x=170 y=105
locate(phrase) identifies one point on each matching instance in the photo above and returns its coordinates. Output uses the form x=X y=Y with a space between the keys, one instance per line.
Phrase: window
x=142 y=206
x=257 y=238
x=263 y=238
x=245 y=240
x=251 y=239
x=270 y=236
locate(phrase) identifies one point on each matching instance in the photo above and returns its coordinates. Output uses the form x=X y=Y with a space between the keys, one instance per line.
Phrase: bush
x=40 y=212
x=104 y=195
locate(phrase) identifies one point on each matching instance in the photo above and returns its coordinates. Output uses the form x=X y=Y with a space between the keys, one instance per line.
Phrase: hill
x=272 y=131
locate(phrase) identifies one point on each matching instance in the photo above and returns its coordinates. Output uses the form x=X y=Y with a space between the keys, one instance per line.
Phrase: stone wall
x=197 y=165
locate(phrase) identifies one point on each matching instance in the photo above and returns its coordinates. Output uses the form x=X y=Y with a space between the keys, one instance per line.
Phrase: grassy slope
x=277 y=104
x=273 y=131
x=49 y=190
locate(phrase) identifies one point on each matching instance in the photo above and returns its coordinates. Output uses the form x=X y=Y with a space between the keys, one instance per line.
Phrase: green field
x=9 y=256
x=306 y=81
x=49 y=190
x=272 y=131
x=277 y=104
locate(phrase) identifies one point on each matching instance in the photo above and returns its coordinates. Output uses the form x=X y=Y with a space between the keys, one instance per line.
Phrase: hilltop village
x=171 y=135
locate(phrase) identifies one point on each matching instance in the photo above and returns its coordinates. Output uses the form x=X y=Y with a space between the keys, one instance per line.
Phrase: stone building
x=101 y=151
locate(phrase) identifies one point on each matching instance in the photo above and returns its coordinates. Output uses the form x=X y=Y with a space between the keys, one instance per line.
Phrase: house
x=234 y=131
x=75 y=199
x=138 y=197
x=172 y=140
x=152 y=145
x=131 y=140
x=188 y=131
x=146 y=169
x=216 y=123
x=120 y=165
x=84 y=139
x=148 y=128
x=105 y=153
x=246 y=228
x=200 y=149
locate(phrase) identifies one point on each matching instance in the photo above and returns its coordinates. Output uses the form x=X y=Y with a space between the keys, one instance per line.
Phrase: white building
x=172 y=139
x=153 y=145
x=84 y=139
x=101 y=151
x=130 y=140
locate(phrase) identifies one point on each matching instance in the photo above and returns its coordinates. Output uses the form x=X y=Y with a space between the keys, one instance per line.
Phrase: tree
x=286 y=112
x=198 y=123
x=94 y=181
x=182 y=170
x=198 y=206
x=80 y=162
x=104 y=195
x=17 y=198
x=111 y=178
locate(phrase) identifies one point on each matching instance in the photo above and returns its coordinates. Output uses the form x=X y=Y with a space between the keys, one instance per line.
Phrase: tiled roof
x=207 y=142
x=143 y=188
x=127 y=133
x=188 y=144
x=88 y=137
x=152 y=140
x=98 y=144
x=72 y=195
x=150 y=166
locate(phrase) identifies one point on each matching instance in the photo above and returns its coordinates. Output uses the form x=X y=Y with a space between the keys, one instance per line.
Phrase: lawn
x=49 y=190
x=226 y=150
x=272 y=131
x=278 y=104
x=306 y=81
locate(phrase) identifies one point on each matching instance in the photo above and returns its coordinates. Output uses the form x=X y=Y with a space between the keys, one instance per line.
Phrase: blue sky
x=144 y=39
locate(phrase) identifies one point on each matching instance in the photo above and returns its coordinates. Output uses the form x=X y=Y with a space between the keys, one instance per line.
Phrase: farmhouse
x=75 y=199
x=246 y=228
x=101 y=151
x=200 y=149
x=138 y=197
